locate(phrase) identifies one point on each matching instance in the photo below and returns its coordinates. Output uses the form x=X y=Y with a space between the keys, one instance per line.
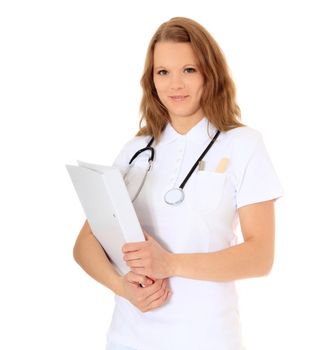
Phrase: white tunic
x=200 y=314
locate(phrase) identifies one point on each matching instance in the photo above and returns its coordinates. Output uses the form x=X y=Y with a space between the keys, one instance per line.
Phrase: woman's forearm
x=244 y=260
x=89 y=254
x=253 y=258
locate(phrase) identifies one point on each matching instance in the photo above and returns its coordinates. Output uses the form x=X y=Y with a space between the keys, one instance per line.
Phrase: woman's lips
x=178 y=98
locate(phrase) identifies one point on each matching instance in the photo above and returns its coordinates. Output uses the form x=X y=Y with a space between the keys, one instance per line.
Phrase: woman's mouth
x=178 y=98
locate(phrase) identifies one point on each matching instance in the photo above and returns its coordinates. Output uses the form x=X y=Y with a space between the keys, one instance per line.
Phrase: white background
x=69 y=89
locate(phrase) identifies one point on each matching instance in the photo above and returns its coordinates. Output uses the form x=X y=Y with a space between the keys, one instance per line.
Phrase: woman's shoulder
x=128 y=149
x=135 y=143
x=243 y=133
x=243 y=137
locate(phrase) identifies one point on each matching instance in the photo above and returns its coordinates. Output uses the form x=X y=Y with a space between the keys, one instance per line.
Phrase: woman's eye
x=190 y=70
x=162 y=72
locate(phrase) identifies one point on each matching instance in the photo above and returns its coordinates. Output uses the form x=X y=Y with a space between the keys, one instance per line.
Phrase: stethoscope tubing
x=151 y=158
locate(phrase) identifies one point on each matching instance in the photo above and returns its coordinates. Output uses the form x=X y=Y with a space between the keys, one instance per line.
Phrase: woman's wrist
x=118 y=286
x=173 y=261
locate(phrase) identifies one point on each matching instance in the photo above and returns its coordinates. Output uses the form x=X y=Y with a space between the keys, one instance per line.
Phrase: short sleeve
x=121 y=160
x=128 y=150
x=258 y=180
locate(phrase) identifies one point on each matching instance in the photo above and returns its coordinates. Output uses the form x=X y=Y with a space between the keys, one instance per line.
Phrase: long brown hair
x=218 y=100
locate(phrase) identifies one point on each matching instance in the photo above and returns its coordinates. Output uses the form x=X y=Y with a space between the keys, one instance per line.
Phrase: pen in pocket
x=201 y=165
x=222 y=165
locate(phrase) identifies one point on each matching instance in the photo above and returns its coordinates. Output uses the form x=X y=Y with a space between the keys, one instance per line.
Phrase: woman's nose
x=177 y=82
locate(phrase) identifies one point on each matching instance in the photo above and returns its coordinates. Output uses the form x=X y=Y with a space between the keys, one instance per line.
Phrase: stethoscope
x=175 y=195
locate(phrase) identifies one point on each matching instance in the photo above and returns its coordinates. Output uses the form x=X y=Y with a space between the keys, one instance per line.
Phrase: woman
x=209 y=173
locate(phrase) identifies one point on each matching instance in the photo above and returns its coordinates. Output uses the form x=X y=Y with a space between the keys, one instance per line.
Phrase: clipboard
x=107 y=205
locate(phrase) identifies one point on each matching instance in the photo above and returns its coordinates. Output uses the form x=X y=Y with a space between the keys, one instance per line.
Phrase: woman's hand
x=148 y=258
x=152 y=296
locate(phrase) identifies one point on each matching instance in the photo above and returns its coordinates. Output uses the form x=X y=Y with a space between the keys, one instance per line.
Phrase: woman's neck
x=183 y=124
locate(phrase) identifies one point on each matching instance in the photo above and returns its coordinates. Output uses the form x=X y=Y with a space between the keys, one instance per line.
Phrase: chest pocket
x=207 y=191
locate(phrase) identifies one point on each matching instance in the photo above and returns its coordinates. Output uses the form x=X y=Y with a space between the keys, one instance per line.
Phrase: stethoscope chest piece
x=174 y=196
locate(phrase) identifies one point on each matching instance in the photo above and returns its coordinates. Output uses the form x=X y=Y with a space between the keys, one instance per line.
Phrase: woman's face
x=178 y=80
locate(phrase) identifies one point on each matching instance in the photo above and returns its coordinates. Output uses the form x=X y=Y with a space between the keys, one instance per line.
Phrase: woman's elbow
x=76 y=251
x=266 y=266
x=83 y=235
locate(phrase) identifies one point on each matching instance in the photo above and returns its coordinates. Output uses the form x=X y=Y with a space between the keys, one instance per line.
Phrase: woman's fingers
x=148 y=298
x=158 y=296
x=161 y=297
x=139 y=279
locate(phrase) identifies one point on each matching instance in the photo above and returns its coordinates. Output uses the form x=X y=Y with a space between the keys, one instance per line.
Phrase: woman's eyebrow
x=185 y=65
x=157 y=67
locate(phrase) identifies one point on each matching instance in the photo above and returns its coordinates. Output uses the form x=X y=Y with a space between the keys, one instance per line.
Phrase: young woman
x=209 y=172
